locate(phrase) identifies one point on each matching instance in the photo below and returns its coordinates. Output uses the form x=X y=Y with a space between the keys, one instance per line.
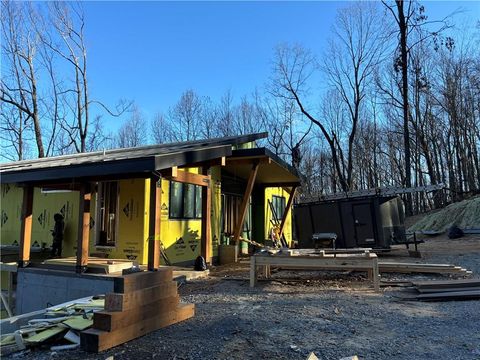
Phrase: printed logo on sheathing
x=4 y=217
x=5 y=189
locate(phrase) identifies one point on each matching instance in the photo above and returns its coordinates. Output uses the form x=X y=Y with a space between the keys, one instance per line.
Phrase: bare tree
x=19 y=82
x=185 y=117
x=132 y=132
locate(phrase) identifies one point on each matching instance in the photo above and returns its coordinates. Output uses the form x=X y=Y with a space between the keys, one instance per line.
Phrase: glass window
x=198 y=202
x=107 y=213
x=185 y=201
x=279 y=205
x=176 y=200
x=188 y=201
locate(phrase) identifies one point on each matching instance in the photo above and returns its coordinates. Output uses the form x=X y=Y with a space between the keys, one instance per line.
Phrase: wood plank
x=26 y=226
x=442 y=289
x=245 y=202
x=95 y=340
x=315 y=263
x=115 y=320
x=142 y=280
x=154 y=224
x=83 y=233
x=447 y=283
x=116 y=265
x=449 y=296
x=206 y=235
x=287 y=209
x=122 y=302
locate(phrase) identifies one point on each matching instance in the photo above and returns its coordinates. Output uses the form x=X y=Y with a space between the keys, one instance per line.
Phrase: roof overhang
x=272 y=171
x=100 y=166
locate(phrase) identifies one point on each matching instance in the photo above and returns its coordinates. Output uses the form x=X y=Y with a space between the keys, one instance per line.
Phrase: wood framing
x=190 y=178
x=154 y=223
x=206 y=236
x=83 y=228
x=26 y=226
x=287 y=209
x=245 y=201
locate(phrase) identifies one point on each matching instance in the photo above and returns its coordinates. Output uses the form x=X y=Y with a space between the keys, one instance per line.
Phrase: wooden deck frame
x=154 y=224
x=83 y=235
x=245 y=201
x=287 y=209
x=26 y=226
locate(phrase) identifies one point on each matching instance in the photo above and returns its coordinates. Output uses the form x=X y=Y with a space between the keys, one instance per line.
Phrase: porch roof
x=120 y=163
x=273 y=171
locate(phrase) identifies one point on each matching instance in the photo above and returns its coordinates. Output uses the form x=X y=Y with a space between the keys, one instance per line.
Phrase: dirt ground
x=333 y=314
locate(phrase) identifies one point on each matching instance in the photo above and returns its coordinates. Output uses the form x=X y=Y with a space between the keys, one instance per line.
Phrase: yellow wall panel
x=269 y=193
x=10 y=212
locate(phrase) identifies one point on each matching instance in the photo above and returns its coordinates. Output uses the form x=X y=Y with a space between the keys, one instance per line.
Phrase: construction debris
x=59 y=326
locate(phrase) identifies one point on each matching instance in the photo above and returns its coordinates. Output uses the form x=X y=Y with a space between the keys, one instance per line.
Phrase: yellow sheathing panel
x=269 y=193
x=10 y=212
x=131 y=236
x=45 y=206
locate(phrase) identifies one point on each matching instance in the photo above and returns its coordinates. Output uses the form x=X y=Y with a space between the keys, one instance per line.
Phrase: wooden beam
x=154 y=223
x=26 y=226
x=206 y=236
x=245 y=201
x=190 y=178
x=287 y=209
x=83 y=228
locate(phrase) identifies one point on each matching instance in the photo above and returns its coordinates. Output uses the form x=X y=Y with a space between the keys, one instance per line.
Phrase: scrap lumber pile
x=397 y=267
x=141 y=303
x=59 y=326
x=446 y=290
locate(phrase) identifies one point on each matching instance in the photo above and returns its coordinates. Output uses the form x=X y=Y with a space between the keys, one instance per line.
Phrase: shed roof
x=119 y=163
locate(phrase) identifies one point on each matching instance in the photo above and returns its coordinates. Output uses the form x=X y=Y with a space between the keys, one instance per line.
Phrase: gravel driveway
x=333 y=314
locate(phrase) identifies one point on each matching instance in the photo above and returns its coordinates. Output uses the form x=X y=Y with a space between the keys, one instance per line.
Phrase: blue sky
x=151 y=52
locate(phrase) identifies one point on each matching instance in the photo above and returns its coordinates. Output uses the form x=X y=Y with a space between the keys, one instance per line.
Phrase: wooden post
x=154 y=223
x=245 y=202
x=287 y=209
x=83 y=228
x=206 y=236
x=26 y=226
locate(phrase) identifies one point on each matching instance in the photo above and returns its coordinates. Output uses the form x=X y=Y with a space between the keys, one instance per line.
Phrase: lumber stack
x=141 y=303
x=447 y=290
x=384 y=266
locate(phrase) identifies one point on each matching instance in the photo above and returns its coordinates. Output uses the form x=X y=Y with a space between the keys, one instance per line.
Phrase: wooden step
x=115 y=320
x=122 y=302
x=141 y=280
x=95 y=340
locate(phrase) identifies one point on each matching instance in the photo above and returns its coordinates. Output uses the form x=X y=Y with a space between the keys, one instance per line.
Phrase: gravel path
x=332 y=314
